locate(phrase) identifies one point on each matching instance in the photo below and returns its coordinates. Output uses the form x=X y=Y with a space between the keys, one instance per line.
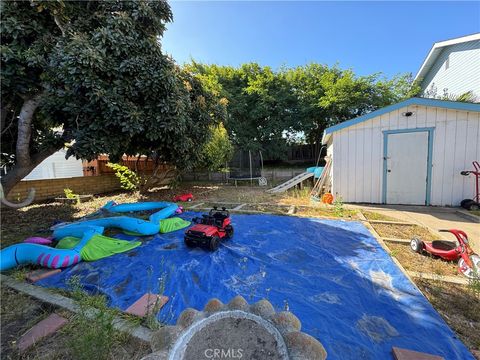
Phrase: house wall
x=358 y=154
x=462 y=75
x=56 y=166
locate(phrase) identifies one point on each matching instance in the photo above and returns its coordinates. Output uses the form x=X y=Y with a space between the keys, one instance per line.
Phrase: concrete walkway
x=435 y=218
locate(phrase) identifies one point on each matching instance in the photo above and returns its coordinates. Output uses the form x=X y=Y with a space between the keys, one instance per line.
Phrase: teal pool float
x=26 y=253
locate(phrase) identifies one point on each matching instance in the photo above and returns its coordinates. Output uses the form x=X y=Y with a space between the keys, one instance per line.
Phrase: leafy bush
x=129 y=180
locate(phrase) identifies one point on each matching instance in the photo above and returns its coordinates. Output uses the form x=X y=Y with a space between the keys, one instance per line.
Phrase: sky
x=368 y=37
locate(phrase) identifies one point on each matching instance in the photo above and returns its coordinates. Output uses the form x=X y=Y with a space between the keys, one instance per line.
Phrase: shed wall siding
x=358 y=154
x=462 y=75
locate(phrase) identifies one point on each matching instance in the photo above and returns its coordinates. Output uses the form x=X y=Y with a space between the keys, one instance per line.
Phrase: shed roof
x=437 y=49
x=454 y=105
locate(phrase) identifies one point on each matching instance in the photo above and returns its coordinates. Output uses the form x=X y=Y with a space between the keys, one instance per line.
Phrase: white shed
x=407 y=153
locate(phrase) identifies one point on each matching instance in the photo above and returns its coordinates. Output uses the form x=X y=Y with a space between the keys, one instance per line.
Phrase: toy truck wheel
x=188 y=242
x=189 y=199
x=416 y=245
x=229 y=230
x=214 y=243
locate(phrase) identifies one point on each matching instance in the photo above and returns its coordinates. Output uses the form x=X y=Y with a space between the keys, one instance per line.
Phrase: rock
x=238 y=303
x=165 y=337
x=213 y=305
x=286 y=322
x=188 y=317
x=304 y=347
x=263 y=308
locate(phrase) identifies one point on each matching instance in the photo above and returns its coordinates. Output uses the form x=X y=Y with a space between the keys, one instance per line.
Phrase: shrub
x=129 y=180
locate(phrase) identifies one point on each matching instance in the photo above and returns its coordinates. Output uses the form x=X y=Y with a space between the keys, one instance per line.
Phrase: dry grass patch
x=458 y=305
x=370 y=215
x=422 y=263
x=399 y=231
x=326 y=212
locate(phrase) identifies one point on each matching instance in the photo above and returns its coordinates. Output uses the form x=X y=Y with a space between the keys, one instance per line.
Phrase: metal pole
x=251 y=174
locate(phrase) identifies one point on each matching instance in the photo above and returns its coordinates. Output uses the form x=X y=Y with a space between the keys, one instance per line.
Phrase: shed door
x=407 y=155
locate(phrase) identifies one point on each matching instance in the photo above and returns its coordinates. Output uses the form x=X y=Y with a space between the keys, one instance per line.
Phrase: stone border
x=178 y=350
x=139 y=332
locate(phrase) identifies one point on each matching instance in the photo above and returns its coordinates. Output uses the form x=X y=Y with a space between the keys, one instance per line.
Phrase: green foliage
x=269 y=110
x=102 y=78
x=93 y=334
x=69 y=194
x=338 y=208
x=128 y=178
x=218 y=150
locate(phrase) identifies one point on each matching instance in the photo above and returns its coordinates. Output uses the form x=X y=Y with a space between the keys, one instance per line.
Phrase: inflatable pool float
x=86 y=230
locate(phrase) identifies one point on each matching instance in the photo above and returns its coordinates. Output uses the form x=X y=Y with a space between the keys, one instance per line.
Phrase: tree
x=261 y=106
x=218 y=150
x=91 y=74
x=269 y=110
x=329 y=96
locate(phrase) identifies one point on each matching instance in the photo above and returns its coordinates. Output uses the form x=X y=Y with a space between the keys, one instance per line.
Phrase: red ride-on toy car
x=468 y=261
x=209 y=230
x=184 y=197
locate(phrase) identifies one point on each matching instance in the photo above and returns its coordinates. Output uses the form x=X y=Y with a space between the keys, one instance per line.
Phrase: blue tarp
x=333 y=275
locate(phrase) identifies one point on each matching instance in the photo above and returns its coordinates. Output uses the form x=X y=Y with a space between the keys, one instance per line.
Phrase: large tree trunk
x=25 y=162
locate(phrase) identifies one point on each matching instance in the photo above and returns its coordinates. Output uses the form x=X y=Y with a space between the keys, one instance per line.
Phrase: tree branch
x=25 y=130
x=59 y=24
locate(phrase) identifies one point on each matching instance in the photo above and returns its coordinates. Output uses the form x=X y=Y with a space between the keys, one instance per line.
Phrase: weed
x=93 y=334
x=69 y=194
x=338 y=208
x=393 y=253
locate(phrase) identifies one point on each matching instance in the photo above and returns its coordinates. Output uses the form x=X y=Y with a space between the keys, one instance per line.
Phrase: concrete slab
x=146 y=303
x=42 y=329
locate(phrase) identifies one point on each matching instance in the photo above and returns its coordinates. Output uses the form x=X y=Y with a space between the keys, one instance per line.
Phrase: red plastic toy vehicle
x=209 y=230
x=468 y=261
x=184 y=197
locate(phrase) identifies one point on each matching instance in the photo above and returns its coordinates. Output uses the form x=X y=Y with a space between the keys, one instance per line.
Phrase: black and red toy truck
x=210 y=230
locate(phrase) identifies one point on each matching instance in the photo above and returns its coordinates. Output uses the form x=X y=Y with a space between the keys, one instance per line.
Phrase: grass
x=475 y=212
x=398 y=231
x=81 y=338
x=422 y=263
x=458 y=305
x=370 y=215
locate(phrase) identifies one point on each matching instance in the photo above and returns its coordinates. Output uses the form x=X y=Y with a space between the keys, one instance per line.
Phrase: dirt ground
x=458 y=305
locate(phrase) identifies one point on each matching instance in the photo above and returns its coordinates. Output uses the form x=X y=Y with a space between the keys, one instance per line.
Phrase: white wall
x=462 y=75
x=56 y=166
x=358 y=154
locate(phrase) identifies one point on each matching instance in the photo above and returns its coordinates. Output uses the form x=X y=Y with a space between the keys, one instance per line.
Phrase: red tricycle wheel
x=466 y=270
x=416 y=245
